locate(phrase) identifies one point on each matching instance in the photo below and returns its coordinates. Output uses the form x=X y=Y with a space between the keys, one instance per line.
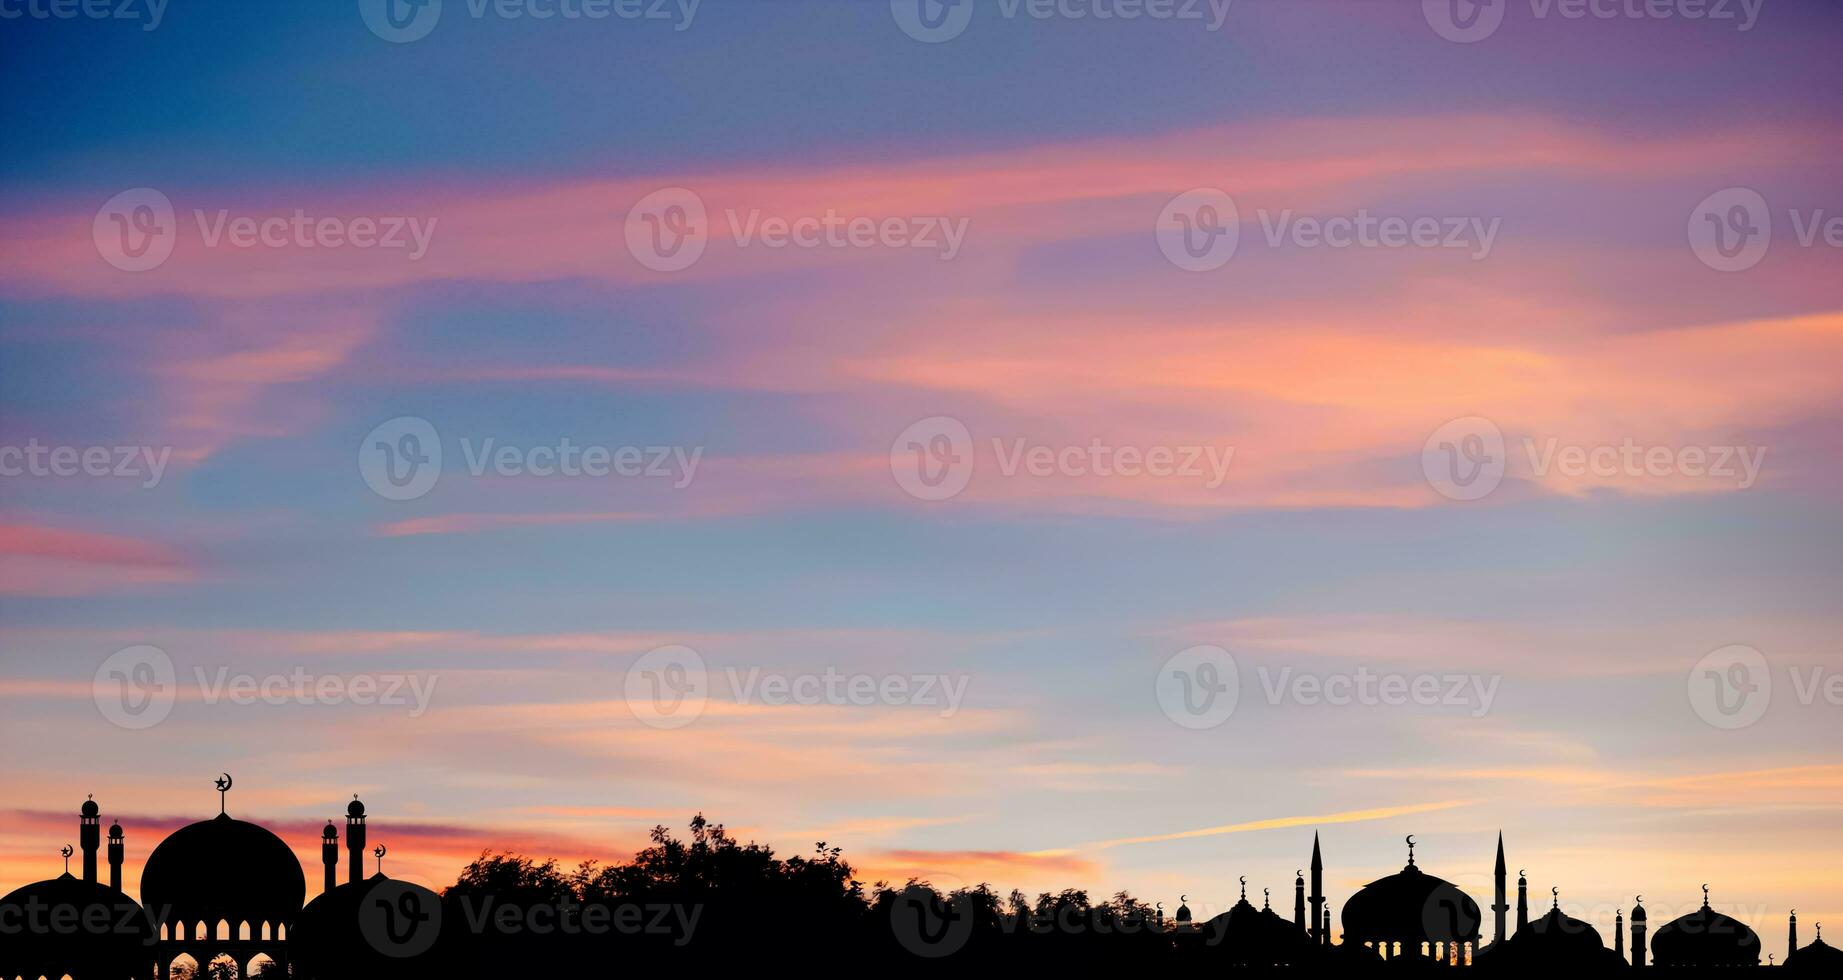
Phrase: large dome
x=1705 y=937
x=70 y=926
x=223 y=869
x=1411 y=907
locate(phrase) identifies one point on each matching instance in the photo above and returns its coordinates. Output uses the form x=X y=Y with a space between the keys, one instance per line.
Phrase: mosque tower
x=1638 y=932
x=1791 y=935
x=1522 y=901
x=1299 y=903
x=329 y=854
x=116 y=848
x=355 y=838
x=1321 y=916
x=1501 y=906
x=90 y=836
x=1619 y=933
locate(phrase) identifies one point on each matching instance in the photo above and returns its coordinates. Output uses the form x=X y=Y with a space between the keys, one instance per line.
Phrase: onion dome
x=378 y=927
x=1183 y=911
x=1411 y=907
x=223 y=869
x=67 y=926
x=1819 y=957
x=1705 y=937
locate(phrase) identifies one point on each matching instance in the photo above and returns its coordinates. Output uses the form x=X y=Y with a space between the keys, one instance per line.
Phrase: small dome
x=1638 y=913
x=355 y=808
x=113 y=933
x=331 y=832
x=115 y=830
x=223 y=869
x=1183 y=913
x=379 y=927
x=1819 y=957
x=1705 y=937
x=90 y=809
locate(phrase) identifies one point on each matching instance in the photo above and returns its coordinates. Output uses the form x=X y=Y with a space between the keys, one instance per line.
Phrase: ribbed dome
x=1705 y=937
x=1411 y=907
x=1819 y=957
x=118 y=947
x=378 y=927
x=223 y=869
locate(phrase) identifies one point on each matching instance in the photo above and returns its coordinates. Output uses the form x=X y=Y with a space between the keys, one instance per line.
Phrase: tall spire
x=1502 y=905
x=1321 y=929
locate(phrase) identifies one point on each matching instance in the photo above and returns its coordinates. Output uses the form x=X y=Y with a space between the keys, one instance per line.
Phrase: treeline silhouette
x=711 y=901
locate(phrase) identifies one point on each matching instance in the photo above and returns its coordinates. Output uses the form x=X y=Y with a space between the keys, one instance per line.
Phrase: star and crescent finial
x=379 y=852
x=67 y=852
x=223 y=783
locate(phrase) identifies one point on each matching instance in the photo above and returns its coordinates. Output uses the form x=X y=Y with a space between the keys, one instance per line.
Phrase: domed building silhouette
x=77 y=927
x=1251 y=937
x=1413 y=914
x=1705 y=938
x=223 y=887
x=1819 y=957
x=1554 y=943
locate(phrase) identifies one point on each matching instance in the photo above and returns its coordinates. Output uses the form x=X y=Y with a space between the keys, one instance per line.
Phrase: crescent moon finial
x=1640 y=900
x=1521 y=873
x=1297 y=873
x=1183 y=899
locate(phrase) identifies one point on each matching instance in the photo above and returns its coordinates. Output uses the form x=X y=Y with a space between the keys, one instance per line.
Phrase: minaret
x=1791 y=935
x=329 y=854
x=1299 y=902
x=355 y=838
x=1323 y=931
x=89 y=834
x=1638 y=932
x=1501 y=906
x=115 y=855
x=1619 y=933
x=1522 y=901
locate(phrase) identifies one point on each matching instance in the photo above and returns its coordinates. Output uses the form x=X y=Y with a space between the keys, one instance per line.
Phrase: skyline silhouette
x=224 y=890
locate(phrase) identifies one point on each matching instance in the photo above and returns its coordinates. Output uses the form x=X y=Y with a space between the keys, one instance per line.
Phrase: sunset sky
x=1573 y=610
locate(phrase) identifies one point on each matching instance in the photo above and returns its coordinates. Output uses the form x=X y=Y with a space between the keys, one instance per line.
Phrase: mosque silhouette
x=225 y=888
